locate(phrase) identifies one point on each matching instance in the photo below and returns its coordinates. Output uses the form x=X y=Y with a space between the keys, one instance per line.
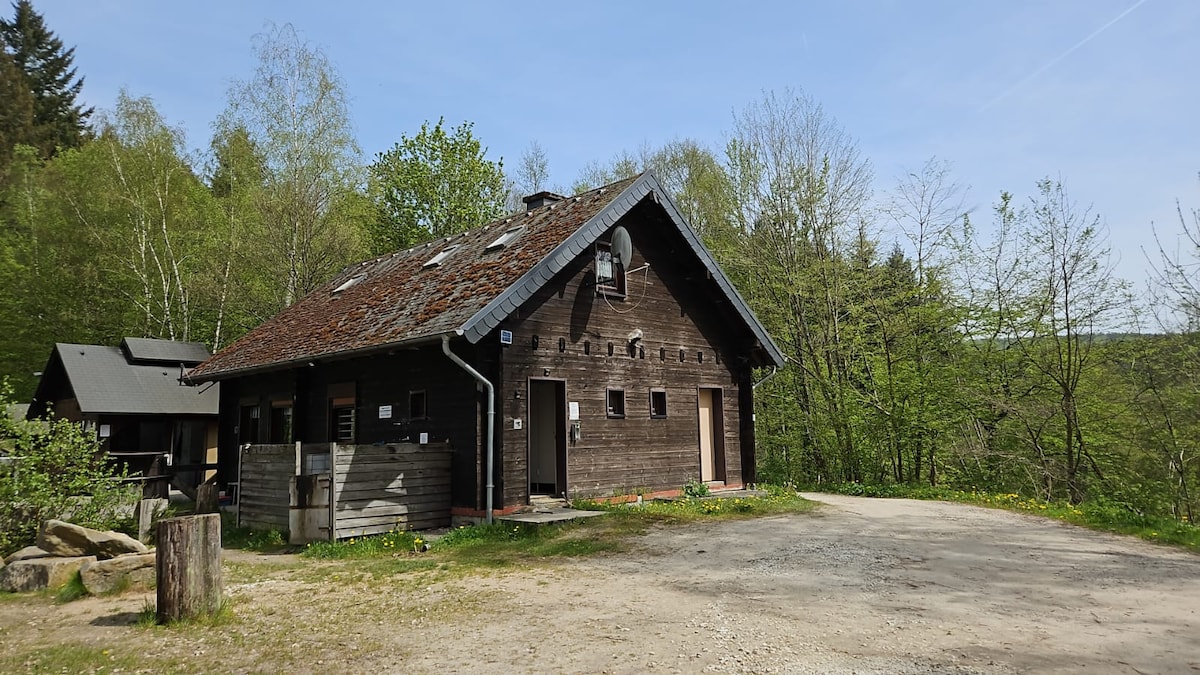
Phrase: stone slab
x=38 y=574
x=114 y=574
x=27 y=553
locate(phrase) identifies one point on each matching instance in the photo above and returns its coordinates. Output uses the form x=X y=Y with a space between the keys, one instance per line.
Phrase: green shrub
x=694 y=488
x=55 y=469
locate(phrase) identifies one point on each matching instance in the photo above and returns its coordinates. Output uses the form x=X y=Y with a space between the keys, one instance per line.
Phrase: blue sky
x=1099 y=93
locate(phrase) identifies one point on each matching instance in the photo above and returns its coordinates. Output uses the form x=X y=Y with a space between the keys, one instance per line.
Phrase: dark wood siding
x=675 y=312
x=452 y=405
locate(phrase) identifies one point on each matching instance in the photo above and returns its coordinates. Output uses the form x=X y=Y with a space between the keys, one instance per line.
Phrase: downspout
x=491 y=417
x=754 y=417
x=774 y=369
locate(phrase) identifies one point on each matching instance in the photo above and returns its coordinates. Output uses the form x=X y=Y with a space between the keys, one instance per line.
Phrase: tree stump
x=189 y=567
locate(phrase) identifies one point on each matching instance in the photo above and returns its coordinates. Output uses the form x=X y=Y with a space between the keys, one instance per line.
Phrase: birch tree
x=295 y=110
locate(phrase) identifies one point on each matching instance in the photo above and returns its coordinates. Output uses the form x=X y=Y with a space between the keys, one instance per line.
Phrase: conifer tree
x=58 y=120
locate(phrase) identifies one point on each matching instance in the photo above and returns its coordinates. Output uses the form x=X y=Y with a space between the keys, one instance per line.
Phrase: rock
x=24 y=576
x=113 y=544
x=27 y=553
x=66 y=539
x=116 y=574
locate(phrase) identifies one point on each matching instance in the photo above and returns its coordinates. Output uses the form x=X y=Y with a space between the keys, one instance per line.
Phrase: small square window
x=416 y=405
x=658 y=403
x=616 y=402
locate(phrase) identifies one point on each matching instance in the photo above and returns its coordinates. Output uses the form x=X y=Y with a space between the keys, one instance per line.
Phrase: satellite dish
x=622 y=247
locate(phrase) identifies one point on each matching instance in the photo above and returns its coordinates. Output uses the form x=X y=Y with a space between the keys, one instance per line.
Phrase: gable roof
x=104 y=381
x=419 y=294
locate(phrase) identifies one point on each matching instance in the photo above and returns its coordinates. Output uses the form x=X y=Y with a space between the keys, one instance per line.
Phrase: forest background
x=922 y=348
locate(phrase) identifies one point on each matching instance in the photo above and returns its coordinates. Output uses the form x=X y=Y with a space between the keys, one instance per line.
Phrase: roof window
x=352 y=281
x=440 y=257
x=505 y=239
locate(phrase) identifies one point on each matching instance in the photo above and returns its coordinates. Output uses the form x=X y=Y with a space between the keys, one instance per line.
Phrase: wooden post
x=206 y=498
x=189 y=567
x=333 y=491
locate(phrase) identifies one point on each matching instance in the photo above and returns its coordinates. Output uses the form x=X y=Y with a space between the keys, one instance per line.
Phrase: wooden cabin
x=615 y=354
x=131 y=398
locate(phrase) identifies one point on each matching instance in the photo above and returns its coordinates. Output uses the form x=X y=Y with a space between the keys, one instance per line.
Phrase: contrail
x=1052 y=62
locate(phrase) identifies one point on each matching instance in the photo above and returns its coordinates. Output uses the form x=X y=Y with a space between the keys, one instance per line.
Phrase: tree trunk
x=189 y=567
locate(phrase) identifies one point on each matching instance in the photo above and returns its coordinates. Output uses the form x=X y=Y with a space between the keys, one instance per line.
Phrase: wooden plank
x=382 y=482
x=390 y=510
x=369 y=526
x=390 y=467
x=422 y=459
x=407 y=500
x=391 y=450
x=394 y=481
x=394 y=494
x=272 y=490
x=364 y=506
x=264 y=521
x=391 y=514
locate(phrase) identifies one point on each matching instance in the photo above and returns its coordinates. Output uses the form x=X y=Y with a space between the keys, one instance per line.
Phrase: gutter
x=491 y=417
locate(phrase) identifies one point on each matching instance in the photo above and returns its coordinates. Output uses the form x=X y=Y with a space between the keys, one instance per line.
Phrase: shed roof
x=104 y=381
x=460 y=285
x=149 y=350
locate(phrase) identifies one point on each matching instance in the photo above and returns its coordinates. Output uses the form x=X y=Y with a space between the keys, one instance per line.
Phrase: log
x=188 y=568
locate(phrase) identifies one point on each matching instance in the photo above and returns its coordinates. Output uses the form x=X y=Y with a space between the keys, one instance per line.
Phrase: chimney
x=541 y=199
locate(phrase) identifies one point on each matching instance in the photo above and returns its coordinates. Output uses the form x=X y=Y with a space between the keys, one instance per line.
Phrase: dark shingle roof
x=401 y=299
x=148 y=350
x=105 y=382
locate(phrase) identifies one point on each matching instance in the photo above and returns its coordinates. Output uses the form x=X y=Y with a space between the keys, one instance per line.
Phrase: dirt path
x=860 y=585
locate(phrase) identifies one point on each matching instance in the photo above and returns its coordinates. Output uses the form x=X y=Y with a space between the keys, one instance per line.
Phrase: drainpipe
x=774 y=369
x=491 y=416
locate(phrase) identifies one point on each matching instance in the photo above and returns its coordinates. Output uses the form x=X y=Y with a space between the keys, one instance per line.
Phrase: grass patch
x=391 y=543
x=504 y=544
x=69 y=658
x=1097 y=514
x=247 y=539
x=72 y=590
x=148 y=618
x=662 y=512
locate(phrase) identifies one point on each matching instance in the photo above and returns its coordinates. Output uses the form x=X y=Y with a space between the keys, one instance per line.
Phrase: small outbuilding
x=589 y=346
x=131 y=398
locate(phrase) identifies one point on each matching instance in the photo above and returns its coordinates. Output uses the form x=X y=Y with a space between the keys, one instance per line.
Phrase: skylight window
x=505 y=239
x=440 y=257
x=349 y=282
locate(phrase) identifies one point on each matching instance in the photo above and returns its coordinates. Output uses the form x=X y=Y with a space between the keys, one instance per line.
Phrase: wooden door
x=546 y=433
x=712 y=434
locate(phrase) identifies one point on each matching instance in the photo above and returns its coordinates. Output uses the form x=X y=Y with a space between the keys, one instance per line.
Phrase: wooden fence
x=375 y=488
x=380 y=487
x=264 y=475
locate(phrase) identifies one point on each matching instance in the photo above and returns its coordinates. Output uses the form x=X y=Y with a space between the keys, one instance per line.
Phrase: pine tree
x=16 y=113
x=58 y=121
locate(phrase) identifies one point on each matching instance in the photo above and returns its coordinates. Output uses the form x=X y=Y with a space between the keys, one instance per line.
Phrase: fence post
x=188 y=567
x=333 y=495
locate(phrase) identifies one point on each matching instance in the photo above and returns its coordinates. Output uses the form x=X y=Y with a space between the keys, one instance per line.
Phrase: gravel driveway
x=858 y=585
x=865 y=585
